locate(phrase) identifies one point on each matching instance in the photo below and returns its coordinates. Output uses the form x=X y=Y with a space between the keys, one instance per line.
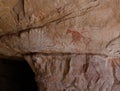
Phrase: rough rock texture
x=77 y=42
x=51 y=26
x=76 y=72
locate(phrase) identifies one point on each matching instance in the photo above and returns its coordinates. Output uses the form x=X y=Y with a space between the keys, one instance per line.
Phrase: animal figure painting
x=78 y=37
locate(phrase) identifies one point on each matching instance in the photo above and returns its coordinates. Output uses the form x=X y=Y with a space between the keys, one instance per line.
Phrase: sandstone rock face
x=73 y=26
x=75 y=72
x=71 y=45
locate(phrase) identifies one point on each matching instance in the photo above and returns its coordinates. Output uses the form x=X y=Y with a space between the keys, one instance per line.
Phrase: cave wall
x=75 y=72
x=71 y=45
x=48 y=26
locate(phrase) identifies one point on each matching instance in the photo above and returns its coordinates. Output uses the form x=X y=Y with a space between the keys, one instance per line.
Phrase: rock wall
x=71 y=45
x=72 y=26
x=75 y=72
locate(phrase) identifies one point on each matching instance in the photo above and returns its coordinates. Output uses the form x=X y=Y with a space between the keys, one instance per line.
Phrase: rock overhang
x=60 y=27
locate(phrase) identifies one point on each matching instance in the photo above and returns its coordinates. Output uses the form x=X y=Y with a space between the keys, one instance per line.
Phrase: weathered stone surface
x=75 y=72
x=78 y=26
x=71 y=45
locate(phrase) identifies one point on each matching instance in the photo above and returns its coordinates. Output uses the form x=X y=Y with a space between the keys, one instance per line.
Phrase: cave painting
x=78 y=37
x=56 y=38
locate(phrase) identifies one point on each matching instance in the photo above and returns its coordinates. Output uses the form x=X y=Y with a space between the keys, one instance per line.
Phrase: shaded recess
x=16 y=75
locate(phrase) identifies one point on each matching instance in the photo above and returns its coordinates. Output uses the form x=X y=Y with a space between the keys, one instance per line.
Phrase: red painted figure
x=77 y=37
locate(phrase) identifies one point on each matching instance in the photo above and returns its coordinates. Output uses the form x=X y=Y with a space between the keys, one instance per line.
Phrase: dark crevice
x=66 y=67
x=16 y=76
x=63 y=53
x=86 y=65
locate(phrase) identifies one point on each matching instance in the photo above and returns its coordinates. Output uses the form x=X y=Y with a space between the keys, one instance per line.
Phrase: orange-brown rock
x=71 y=45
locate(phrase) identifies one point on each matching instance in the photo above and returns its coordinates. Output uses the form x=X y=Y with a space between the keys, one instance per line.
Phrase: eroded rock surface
x=75 y=72
x=71 y=45
x=79 y=26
